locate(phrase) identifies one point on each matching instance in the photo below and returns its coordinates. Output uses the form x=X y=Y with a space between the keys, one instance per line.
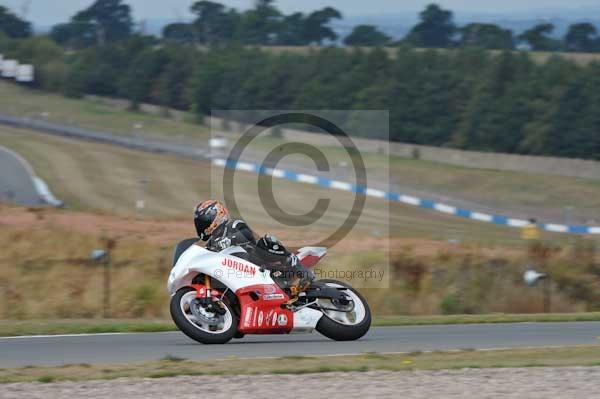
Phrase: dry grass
x=171 y=366
x=473 y=282
x=53 y=263
x=16 y=100
x=538 y=56
x=103 y=178
x=518 y=194
x=47 y=251
x=579 y=58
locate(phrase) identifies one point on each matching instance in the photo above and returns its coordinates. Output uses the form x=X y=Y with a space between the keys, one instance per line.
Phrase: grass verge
x=171 y=366
x=9 y=328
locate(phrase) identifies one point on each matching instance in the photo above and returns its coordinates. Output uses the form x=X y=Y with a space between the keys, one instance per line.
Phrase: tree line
x=465 y=98
x=214 y=24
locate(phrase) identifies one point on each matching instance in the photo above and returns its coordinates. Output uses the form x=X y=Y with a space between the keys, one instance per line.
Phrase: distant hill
x=398 y=25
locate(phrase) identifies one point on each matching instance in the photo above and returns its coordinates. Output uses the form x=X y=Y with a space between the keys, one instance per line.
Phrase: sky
x=49 y=12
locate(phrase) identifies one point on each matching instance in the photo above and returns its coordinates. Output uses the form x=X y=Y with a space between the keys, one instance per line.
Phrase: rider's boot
x=302 y=279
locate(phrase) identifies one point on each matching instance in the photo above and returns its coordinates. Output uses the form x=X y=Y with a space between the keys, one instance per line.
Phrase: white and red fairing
x=260 y=298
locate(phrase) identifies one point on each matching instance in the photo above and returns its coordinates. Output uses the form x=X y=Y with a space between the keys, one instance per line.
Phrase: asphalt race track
x=16 y=181
x=119 y=348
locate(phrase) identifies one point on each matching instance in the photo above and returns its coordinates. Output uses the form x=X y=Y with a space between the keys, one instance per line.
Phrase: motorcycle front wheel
x=200 y=325
x=341 y=325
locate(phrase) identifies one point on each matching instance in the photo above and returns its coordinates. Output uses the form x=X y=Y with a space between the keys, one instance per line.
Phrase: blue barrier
x=405 y=199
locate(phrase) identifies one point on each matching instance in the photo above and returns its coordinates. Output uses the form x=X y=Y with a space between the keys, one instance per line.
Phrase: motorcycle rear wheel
x=337 y=325
x=184 y=320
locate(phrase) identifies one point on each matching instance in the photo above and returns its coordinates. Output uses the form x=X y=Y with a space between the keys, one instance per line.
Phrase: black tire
x=239 y=335
x=195 y=333
x=340 y=332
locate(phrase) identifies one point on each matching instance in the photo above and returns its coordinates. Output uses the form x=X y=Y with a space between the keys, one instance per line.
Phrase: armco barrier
x=405 y=199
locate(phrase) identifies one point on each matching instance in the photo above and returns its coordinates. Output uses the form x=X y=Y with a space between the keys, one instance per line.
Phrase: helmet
x=272 y=246
x=208 y=216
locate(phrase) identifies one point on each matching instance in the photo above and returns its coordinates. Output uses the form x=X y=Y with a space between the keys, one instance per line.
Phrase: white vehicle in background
x=9 y=68
x=24 y=73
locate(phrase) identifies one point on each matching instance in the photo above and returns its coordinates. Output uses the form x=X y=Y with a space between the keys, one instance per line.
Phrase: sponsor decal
x=260 y=318
x=248 y=317
x=269 y=289
x=269 y=317
x=282 y=320
x=272 y=297
x=239 y=266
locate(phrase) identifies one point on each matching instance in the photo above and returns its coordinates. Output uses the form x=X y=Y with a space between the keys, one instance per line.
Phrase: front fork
x=203 y=290
x=207 y=284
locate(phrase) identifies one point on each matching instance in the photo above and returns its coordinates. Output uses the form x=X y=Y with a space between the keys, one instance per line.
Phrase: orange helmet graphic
x=208 y=216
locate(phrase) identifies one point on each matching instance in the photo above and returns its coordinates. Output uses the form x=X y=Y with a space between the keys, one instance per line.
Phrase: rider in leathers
x=213 y=225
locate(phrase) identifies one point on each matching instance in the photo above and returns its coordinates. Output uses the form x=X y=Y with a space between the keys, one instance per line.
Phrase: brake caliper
x=209 y=300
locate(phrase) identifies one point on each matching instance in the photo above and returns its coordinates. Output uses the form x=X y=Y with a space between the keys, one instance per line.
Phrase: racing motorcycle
x=217 y=296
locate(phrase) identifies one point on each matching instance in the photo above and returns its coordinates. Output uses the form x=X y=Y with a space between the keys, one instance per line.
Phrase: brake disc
x=199 y=311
